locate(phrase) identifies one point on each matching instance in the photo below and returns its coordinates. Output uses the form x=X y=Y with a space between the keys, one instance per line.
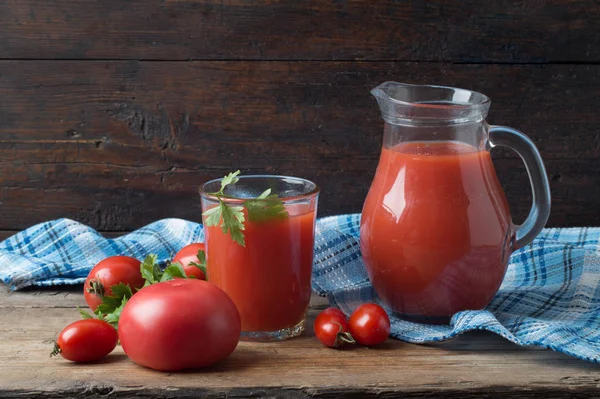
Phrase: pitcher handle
x=540 y=188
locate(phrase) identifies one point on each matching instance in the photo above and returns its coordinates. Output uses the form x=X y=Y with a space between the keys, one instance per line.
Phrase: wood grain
x=120 y=144
x=474 y=365
x=113 y=112
x=466 y=31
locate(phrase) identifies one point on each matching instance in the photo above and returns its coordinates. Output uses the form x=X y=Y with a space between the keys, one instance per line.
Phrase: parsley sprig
x=112 y=305
x=266 y=206
x=231 y=218
x=152 y=273
x=201 y=264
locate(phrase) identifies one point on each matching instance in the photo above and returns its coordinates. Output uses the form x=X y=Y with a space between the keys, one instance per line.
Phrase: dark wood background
x=113 y=112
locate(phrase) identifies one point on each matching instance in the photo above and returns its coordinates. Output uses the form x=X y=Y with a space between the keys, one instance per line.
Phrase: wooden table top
x=473 y=365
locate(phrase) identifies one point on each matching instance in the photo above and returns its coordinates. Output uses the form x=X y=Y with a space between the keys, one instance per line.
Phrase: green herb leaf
x=265 y=194
x=121 y=290
x=213 y=216
x=229 y=179
x=113 y=317
x=150 y=270
x=233 y=222
x=201 y=264
x=267 y=208
x=201 y=255
x=229 y=218
x=174 y=270
x=84 y=314
x=112 y=305
x=108 y=305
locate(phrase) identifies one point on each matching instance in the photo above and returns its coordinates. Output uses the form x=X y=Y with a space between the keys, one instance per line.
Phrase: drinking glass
x=269 y=277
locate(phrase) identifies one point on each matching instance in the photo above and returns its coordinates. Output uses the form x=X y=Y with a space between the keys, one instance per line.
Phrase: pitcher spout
x=402 y=103
x=384 y=94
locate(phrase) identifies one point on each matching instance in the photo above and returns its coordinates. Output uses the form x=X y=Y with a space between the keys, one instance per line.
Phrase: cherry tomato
x=331 y=328
x=188 y=255
x=369 y=324
x=86 y=341
x=179 y=324
x=111 y=271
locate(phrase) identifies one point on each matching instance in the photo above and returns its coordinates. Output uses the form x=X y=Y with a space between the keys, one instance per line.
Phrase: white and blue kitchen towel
x=550 y=296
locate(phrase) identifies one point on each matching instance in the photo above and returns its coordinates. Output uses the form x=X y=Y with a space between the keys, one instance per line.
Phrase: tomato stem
x=343 y=337
x=96 y=288
x=56 y=350
x=346 y=337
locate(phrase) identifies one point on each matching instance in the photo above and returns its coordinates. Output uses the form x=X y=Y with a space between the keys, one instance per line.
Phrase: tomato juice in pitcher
x=436 y=232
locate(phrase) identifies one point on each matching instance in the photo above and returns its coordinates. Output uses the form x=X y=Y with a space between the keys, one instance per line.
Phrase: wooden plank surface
x=465 y=31
x=474 y=365
x=120 y=144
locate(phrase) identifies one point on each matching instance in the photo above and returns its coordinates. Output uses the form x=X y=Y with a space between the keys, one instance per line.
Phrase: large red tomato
x=188 y=258
x=111 y=271
x=179 y=324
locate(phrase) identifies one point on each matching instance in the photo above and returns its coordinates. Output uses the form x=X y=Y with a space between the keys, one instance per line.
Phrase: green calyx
x=95 y=287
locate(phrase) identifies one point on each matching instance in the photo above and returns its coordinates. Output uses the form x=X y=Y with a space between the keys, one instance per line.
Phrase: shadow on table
x=113 y=358
x=242 y=358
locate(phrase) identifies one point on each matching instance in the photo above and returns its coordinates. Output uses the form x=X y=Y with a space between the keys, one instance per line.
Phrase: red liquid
x=269 y=280
x=436 y=230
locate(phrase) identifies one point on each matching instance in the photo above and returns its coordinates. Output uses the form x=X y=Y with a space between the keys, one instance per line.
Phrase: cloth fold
x=550 y=296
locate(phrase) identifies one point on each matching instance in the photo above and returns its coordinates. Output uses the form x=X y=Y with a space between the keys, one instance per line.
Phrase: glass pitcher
x=436 y=232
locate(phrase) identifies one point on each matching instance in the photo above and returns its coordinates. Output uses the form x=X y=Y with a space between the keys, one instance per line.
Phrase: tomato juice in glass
x=268 y=279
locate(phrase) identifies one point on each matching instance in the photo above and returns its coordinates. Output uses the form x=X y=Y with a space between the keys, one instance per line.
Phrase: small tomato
x=369 y=324
x=192 y=258
x=86 y=341
x=331 y=328
x=111 y=271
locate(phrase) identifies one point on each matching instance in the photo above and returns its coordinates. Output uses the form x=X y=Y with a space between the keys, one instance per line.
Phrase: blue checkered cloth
x=550 y=296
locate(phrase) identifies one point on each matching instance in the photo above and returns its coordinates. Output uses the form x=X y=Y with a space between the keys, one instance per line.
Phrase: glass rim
x=314 y=191
x=483 y=100
x=424 y=104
